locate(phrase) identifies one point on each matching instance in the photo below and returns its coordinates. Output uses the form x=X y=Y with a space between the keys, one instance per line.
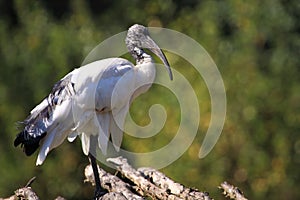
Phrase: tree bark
x=136 y=184
x=232 y=192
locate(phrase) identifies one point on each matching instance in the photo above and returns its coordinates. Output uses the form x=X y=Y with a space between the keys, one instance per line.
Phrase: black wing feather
x=39 y=120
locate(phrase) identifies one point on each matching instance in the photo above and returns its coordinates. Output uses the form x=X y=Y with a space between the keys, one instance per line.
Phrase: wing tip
x=28 y=143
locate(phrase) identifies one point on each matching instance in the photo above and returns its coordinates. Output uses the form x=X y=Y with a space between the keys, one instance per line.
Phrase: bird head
x=138 y=38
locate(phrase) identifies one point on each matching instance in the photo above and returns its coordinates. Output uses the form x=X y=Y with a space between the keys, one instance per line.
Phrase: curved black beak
x=152 y=46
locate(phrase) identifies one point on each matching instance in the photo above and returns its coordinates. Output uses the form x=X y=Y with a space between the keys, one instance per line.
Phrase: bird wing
x=96 y=87
x=44 y=117
x=83 y=102
x=117 y=126
x=120 y=78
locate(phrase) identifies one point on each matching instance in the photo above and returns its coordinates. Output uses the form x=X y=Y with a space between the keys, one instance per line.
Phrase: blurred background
x=255 y=45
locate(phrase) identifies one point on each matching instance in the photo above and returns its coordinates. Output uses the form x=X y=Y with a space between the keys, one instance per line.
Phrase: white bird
x=92 y=102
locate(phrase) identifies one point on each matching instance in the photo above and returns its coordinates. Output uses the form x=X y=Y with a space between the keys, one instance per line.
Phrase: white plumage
x=89 y=110
x=92 y=100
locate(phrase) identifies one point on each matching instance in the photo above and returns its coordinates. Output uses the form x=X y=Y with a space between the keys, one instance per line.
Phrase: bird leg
x=93 y=146
x=99 y=190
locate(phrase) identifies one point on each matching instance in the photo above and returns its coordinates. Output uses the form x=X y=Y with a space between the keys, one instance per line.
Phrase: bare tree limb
x=162 y=181
x=26 y=193
x=22 y=194
x=156 y=184
x=141 y=182
x=232 y=192
x=136 y=184
x=111 y=183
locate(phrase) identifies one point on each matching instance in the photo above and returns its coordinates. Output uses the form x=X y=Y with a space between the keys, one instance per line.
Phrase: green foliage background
x=255 y=44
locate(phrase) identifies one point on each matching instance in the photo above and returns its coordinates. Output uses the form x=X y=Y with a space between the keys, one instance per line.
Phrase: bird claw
x=99 y=193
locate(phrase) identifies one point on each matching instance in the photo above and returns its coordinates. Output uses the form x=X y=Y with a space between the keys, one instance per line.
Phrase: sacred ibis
x=92 y=102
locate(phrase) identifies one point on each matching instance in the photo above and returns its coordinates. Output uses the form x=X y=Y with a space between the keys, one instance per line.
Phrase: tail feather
x=28 y=142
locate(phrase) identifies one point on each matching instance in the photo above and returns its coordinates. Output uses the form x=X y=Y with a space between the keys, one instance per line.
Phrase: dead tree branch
x=24 y=193
x=111 y=183
x=154 y=183
x=232 y=192
x=136 y=184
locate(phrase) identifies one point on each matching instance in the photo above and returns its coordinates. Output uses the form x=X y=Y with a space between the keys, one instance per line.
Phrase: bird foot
x=99 y=193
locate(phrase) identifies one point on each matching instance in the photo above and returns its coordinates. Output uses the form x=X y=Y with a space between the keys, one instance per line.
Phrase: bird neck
x=145 y=75
x=145 y=68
